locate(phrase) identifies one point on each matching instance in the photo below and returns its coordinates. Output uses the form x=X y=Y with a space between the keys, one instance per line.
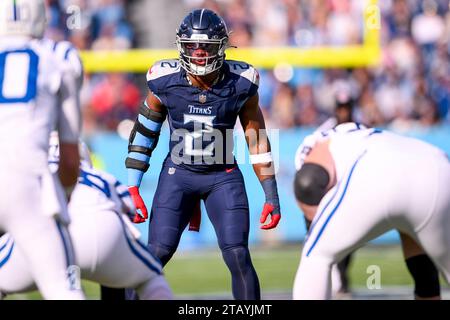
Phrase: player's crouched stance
x=355 y=184
x=105 y=242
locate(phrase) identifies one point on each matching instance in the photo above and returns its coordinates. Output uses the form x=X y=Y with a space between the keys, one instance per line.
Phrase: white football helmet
x=22 y=18
x=53 y=153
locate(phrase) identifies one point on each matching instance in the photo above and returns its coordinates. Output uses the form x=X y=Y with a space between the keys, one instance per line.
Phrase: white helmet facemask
x=202 y=39
x=53 y=153
x=212 y=60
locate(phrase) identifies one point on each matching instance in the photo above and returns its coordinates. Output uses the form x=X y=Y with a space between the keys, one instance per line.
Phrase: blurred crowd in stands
x=410 y=87
x=107 y=99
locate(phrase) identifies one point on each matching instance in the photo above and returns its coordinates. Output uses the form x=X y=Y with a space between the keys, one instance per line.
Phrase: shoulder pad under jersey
x=163 y=68
x=158 y=77
x=244 y=70
x=66 y=53
x=349 y=127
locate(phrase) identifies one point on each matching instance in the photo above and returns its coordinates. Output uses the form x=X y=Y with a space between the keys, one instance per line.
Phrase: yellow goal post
x=366 y=54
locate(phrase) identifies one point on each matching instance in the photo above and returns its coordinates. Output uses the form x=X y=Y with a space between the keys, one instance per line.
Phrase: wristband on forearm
x=261 y=158
x=270 y=190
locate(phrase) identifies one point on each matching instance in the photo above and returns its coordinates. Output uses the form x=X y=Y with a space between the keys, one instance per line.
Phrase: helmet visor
x=201 y=52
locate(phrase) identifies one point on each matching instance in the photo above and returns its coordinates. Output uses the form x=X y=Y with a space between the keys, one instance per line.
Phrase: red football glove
x=139 y=204
x=269 y=209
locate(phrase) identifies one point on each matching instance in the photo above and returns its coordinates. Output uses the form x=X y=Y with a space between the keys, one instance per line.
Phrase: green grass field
x=205 y=272
x=201 y=273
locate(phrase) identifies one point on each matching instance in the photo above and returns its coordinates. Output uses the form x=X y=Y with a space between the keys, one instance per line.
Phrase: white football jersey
x=348 y=141
x=67 y=55
x=38 y=93
x=346 y=151
x=385 y=181
x=97 y=190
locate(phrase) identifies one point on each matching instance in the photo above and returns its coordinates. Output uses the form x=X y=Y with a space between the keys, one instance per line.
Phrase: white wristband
x=261 y=158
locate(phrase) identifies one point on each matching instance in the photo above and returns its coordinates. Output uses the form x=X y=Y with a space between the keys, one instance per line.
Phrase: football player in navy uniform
x=202 y=95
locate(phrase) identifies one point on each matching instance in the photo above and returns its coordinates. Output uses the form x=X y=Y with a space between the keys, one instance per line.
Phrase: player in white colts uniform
x=36 y=96
x=423 y=271
x=67 y=55
x=368 y=182
x=344 y=107
x=105 y=241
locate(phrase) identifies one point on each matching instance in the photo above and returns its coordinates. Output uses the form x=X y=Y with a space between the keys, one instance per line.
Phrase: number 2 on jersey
x=197 y=135
x=18 y=76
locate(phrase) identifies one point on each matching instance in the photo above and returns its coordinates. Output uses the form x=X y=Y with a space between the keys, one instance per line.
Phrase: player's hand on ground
x=275 y=216
x=139 y=204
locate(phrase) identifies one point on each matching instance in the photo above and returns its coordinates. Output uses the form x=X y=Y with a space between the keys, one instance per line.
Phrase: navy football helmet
x=202 y=39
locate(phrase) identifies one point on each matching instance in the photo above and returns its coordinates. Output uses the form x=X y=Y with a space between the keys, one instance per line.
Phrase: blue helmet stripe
x=15 y=12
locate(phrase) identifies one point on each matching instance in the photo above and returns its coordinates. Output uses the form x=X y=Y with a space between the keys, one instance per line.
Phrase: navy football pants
x=178 y=191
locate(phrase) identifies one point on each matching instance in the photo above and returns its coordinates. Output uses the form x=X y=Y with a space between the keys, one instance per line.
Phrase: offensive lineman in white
x=105 y=241
x=355 y=184
x=36 y=96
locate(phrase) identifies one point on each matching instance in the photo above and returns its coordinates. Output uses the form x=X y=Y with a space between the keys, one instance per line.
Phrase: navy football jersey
x=202 y=121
